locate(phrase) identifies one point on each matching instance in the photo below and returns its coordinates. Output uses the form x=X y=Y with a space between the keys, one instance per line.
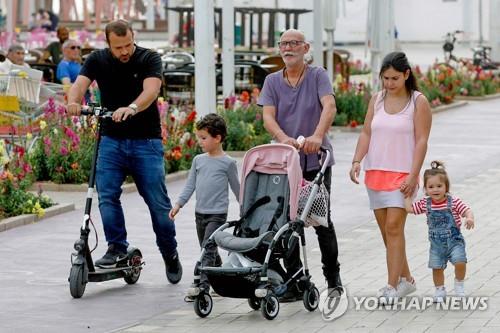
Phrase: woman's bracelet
x=356 y=162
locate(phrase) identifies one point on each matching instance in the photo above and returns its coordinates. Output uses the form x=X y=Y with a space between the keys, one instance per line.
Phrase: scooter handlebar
x=91 y=110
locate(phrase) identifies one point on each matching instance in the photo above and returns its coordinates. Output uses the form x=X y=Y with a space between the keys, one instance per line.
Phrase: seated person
x=69 y=67
x=15 y=55
x=53 y=51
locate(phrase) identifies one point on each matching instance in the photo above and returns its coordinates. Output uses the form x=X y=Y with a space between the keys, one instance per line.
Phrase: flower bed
x=15 y=178
x=441 y=83
x=352 y=101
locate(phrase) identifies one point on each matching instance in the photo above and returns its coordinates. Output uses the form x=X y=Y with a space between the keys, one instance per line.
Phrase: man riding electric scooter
x=129 y=79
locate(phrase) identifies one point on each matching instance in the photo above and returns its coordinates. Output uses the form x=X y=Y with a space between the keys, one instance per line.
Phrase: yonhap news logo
x=450 y=303
x=332 y=308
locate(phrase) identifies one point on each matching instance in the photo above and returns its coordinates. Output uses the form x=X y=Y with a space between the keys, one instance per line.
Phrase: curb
x=477 y=98
x=126 y=188
x=17 y=221
x=448 y=106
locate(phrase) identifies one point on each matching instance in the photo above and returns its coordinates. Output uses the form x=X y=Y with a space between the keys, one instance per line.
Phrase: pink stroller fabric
x=275 y=158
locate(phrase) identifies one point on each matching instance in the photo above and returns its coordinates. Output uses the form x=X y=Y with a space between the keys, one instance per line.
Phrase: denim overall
x=447 y=242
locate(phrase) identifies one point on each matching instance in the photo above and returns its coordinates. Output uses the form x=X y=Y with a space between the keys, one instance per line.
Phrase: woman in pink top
x=393 y=144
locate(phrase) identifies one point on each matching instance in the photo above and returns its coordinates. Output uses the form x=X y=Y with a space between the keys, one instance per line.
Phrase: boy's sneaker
x=406 y=287
x=173 y=268
x=459 y=288
x=112 y=258
x=195 y=290
x=439 y=294
x=389 y=296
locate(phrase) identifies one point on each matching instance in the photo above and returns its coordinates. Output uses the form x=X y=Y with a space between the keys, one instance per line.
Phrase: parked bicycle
x=449 y=46
x=481 y=57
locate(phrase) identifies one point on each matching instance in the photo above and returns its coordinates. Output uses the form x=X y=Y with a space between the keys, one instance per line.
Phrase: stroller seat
x=233 y=243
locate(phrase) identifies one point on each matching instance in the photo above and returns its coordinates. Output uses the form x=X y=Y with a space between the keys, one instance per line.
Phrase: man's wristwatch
x=133 y=106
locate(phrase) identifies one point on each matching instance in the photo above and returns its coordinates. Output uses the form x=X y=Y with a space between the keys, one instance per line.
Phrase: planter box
x=20 y=220
x=477 y=98
x=126 y=188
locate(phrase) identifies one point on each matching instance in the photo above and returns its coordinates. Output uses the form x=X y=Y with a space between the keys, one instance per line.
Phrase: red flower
x=245 y=96
x=191 y=117
x=353 y=124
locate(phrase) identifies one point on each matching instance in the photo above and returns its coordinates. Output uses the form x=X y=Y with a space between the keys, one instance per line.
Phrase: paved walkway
x=35 y=258
x=363 y=259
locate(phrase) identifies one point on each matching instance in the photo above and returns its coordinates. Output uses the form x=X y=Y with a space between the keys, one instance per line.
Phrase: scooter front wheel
x=77 y=281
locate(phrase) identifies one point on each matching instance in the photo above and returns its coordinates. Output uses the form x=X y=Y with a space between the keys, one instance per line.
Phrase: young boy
x=209 y=176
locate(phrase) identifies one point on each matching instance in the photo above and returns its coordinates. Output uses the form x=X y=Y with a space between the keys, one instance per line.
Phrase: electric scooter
x=82 y=265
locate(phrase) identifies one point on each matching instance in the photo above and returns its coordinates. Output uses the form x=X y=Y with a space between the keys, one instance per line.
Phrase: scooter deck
x=105 y=274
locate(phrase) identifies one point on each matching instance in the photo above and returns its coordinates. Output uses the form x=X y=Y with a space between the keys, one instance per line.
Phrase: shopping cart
x=23 y=98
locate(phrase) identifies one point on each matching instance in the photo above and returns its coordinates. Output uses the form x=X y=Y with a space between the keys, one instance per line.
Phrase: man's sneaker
x=195 y=290
x=173 y=268
x=112 y=258
x=389 y=296
x=405 y=287
x=459 y=288
x=439 y=294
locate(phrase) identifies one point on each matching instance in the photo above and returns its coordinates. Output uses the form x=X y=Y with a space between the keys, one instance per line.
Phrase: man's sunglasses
x=75 y=47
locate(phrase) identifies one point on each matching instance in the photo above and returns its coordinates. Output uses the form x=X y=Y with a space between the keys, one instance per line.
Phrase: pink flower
x=64 y=151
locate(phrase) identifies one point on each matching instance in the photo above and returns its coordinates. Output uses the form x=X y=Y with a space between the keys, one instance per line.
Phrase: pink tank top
x=392 y=141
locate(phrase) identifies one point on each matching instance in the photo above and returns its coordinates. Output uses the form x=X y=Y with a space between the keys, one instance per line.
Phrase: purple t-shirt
x=298 y=110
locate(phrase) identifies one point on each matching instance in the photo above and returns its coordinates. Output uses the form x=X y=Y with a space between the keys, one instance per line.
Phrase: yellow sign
x=9 y=103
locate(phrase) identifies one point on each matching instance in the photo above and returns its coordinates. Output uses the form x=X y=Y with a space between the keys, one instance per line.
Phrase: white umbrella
x=380 y=34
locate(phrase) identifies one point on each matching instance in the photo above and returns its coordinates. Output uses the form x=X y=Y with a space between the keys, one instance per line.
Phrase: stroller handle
x=326 y=161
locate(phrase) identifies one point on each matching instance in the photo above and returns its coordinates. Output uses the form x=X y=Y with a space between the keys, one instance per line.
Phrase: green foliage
x=351 y=101
x=245 y=127
x=15 y=178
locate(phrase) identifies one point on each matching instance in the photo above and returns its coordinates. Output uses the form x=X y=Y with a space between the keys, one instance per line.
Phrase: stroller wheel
x=270 y=306
x=311 y=299
x=203 y=305
x=254 y=303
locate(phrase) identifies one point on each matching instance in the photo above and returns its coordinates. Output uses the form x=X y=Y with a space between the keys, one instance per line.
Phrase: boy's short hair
x=214 y=125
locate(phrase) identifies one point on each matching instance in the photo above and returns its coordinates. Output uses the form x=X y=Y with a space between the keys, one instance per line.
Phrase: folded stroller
x=268 y=231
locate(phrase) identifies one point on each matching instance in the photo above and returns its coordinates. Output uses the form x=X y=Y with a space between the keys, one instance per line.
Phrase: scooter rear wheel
x=77 y=281
x=135 y=261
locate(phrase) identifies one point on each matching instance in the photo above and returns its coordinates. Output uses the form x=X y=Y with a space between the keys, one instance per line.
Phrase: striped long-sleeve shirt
x=458 y=208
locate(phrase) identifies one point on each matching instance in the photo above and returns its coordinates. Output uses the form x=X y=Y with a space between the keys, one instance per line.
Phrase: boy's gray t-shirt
x=209 y=177
x=298 y=110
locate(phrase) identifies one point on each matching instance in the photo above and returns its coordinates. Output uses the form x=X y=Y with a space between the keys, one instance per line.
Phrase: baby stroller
x=268 y=230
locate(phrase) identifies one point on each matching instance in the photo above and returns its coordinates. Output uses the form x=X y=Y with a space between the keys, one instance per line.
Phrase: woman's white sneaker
x=405 y=287
x=389 y=296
